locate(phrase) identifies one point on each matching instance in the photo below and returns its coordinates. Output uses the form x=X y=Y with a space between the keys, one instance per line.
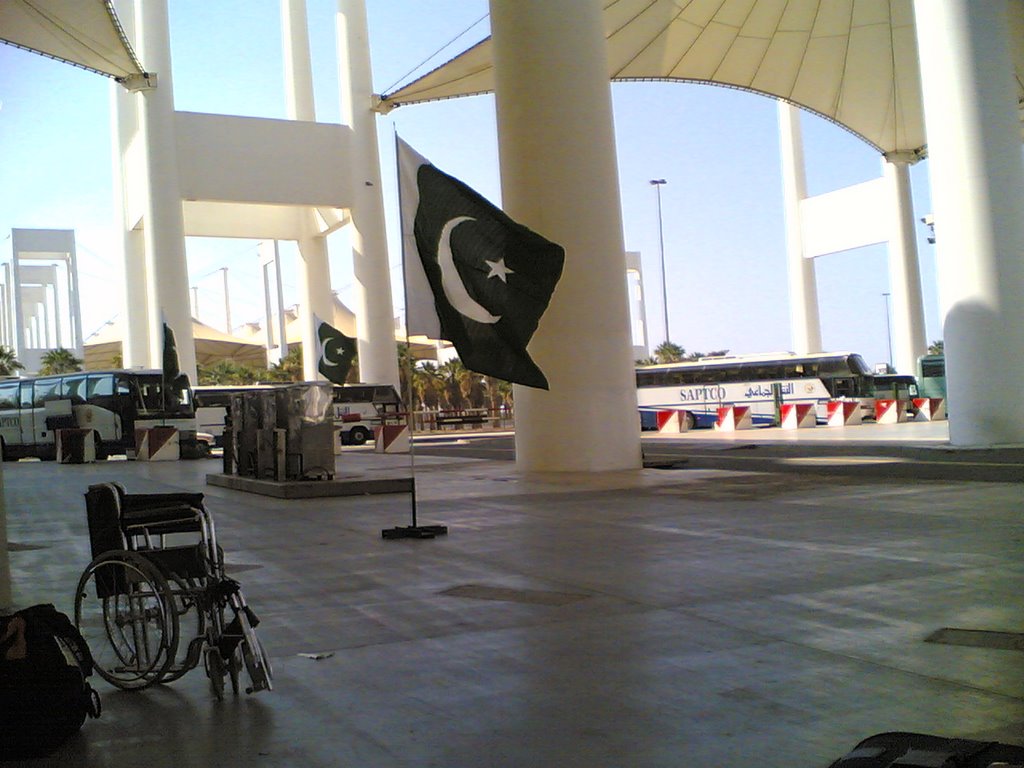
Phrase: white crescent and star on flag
x=454 y=289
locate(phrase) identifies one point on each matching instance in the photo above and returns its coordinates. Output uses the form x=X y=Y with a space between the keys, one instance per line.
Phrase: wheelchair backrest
x=103 y=512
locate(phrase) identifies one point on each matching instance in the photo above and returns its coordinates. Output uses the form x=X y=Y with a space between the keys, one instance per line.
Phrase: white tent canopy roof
x=853 y=62
x=85 y=33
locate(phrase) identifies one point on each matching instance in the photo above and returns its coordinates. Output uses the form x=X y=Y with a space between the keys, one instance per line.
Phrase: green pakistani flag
x=174 y=381
x=473 y=276
x=335 y=352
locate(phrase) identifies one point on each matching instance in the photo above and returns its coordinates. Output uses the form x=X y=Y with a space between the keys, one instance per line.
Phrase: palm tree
x=667 y=352
x=228 y=372
x=60 y=360
x=8 y=362
x=450 y=373
x=406 y=364
x=289 y=369
x=937 y=347
x=427 y=385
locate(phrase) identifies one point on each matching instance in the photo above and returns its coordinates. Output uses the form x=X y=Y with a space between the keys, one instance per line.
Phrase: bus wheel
x=101 y=454
x=691 y=421
x=4 y=453
x=358 y=435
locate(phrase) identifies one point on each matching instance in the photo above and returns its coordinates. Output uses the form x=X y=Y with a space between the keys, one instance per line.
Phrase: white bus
x=358 y=408
x=763 y=382
x=112 y=403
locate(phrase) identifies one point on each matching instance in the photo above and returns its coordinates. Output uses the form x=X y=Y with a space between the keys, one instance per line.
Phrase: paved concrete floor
x=688 y=617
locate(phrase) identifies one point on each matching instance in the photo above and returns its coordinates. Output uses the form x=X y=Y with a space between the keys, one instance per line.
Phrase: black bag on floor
x=44 y=695
x=917 y=750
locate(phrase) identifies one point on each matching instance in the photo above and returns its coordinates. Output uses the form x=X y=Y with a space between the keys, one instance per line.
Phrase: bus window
x=46 y=389
x=841 y=386
x=9 y=396
x=150 y=393
x=73 y=389
x=26 y=394
x=100 y=386
x=385 y=395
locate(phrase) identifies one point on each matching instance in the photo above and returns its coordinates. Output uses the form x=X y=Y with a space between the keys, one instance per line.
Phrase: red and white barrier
x=799 y=415
x=75 y=446
x=672 y=422
x=733 y=417
x=157 y=444
x=844 y=413
x=930 y=409
x=391 y=438
x=890 y=411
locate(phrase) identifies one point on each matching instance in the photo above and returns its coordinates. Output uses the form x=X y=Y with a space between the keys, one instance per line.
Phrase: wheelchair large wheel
x=124 y=610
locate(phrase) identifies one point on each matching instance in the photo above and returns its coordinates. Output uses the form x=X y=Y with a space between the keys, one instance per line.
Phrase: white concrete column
x=314 y=273
x=374 y=308
x=298 y=68
x=164 y=228
x=804 y=321
x=134 y=314
x=909 y=341
x=270 y=265
x=977 y=182
x=313 y=264
x=559 y=177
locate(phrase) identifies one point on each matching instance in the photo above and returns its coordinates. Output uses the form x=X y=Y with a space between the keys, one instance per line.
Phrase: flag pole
x=414 y=531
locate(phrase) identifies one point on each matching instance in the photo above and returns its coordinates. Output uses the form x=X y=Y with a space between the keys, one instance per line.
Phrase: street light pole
x=888 y=329
x=657 y=184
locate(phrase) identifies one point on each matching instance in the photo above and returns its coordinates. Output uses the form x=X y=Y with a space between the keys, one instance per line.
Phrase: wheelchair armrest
x=132 y=502
x=171 y=518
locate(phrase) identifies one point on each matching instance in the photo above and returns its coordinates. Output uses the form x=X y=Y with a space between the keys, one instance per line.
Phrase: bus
x=897 y=386
x=111 y=403
x=763 y=382
x=358 y=408
x=931 y=375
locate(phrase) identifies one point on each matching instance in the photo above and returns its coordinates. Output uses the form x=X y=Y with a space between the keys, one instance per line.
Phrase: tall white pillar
x=909 y=341
x=313 y=264
x=134 y=314
x=164 y=227
x=977 y=182
x=804 y=321
x=298 y=67
x=378 y=354
x=314 y=274
x=270 y=265
x=559 y=177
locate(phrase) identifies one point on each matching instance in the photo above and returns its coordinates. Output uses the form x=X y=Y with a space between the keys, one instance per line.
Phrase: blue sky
x=716 y=147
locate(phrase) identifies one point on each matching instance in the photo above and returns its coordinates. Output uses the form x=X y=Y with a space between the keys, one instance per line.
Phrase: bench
x=460 y=421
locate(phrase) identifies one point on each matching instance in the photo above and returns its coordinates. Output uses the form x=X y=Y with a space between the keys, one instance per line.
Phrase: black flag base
x=414 y=531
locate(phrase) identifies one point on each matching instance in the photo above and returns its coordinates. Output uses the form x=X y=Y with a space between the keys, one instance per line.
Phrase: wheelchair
x=155 y=600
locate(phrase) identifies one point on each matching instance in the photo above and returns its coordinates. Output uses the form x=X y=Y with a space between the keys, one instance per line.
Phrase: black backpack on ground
x=44 y=695
x=918 y=750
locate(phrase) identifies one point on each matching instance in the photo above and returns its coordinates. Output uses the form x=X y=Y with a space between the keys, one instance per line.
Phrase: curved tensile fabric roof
x=85 y=33
x=211 y=346
x=853 y=62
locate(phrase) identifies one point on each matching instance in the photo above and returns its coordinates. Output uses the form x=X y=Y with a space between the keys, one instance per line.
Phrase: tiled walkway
x=698 y=618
